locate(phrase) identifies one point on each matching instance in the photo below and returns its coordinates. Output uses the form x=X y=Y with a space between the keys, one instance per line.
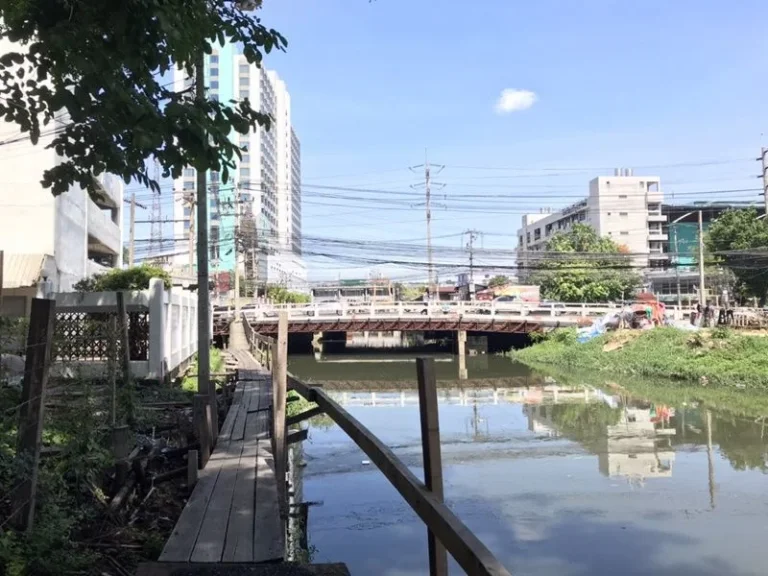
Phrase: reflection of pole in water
x=710 y=464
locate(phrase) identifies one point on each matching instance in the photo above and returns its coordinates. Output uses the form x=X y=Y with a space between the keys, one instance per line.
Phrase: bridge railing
x=389 y=310
x=446 y=532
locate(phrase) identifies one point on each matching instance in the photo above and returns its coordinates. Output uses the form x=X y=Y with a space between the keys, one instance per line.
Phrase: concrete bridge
x=492 y=317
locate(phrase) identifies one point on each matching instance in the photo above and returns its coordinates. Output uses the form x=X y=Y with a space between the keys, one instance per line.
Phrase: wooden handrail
x=470 y=553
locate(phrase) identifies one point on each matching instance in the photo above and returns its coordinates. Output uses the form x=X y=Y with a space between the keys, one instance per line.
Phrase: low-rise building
x=623 y=207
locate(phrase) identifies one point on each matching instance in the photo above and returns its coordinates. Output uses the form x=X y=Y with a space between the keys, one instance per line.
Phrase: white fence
x=171 y=340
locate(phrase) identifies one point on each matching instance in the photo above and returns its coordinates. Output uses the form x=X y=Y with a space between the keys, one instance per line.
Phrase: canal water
x=572 y=480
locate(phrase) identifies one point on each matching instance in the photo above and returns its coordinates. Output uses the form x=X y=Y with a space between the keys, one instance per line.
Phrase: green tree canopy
x=280 y=295
x=581 y=266
x=94 y=77
x=497 y=281
x=740 y=230
x=136 y=278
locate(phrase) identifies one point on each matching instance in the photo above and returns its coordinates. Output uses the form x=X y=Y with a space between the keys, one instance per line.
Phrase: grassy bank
x=717 y=357
x=189 y=383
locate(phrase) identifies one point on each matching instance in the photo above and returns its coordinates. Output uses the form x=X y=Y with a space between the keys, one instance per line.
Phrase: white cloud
x=514 y=100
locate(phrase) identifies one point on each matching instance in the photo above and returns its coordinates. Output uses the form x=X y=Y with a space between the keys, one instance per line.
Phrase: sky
x=522 y=102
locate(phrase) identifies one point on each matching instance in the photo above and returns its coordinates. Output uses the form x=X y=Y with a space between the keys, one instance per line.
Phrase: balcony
x=657 y=236
x=110 y=190
x=657 y=255
x=103 y=233
x=656 y=217
x=92 y=268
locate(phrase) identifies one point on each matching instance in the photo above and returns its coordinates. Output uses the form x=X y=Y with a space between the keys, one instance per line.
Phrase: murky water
x=566 y=481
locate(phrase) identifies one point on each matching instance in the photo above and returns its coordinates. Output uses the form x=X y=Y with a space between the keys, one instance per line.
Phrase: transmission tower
x=156 y=217
x=428 y=185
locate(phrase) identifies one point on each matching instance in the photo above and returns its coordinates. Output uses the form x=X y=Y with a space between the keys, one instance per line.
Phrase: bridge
x=421 y=317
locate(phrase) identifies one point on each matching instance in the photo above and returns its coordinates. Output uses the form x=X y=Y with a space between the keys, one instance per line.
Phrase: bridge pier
x=461 y=342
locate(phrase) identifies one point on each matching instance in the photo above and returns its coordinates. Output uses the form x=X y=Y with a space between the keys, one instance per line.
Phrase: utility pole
x=702 y=289
x=238 y=240
x=473 y=235
x=189 y=199
x=764 y=160
x=428 y=185
x=204 y=383
x=132 y=232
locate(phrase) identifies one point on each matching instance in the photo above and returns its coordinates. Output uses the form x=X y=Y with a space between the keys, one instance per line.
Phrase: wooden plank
x=268 y=535
x=239 y=543
x=182 y=541
x=191 y=469
x=241 y=569
x=299 y=436
x=307 y=414
x=433 y=465
x=209 y=546
x=31 y=409
x=242 y=413
x=470 y=553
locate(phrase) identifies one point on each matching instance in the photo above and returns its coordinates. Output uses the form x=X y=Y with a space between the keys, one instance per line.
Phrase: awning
x=23 y=270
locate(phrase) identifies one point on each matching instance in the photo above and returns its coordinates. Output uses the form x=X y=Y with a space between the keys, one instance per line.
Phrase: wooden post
x=39 y=343
x=201 y=414
x=122 y=327
x=433 y=466
x=279 y=393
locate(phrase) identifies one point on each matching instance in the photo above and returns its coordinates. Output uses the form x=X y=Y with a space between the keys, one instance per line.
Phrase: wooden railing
x=446 y=532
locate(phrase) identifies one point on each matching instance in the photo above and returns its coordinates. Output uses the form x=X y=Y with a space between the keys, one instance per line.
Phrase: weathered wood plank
x=182 y=541
x=239 y=543
x=210 y=540
x=269 y=538
x=242 y=569
x=242 y=413
x=298 y=436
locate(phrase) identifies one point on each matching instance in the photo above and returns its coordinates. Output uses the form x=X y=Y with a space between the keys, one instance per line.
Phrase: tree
x=89 y=76
x=740 y=230
x=581 y=266
x=497 y=281
x=280 y=295
x=136 y=278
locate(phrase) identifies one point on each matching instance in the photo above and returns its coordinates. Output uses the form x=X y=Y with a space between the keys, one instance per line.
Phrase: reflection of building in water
x=540 y=420
x=639 y=446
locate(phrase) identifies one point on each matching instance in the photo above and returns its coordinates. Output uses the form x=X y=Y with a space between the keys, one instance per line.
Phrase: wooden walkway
x=233 y=514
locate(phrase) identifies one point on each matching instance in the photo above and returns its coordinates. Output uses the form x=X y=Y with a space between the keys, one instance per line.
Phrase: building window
x=623 y=214
x=608 y=213
x=214 y=84
x=528 y=237
x=520 y=240
x=537 y=234
x=214 y=176
x=189 y=172
x=624 y=233
x=245 y=68
x=582 y=216
x=244 y=81
x=622 y=196
x=243 y=94
x=214 y=71
x=189 y=185
x=245 y=173
x=214 y=59
x=246 y=159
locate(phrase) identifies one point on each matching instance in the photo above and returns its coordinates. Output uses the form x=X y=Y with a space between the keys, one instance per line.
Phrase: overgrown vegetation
x=189 y=383
x=710 y=358
x=135 y=278
x=280 y=295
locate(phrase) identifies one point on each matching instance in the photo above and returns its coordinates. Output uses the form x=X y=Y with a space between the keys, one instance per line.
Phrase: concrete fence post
x=157 y=322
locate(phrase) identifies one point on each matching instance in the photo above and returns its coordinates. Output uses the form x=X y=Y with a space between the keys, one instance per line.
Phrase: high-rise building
x=260 y=205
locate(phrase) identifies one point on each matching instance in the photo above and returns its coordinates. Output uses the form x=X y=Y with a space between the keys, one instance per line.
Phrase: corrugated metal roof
x=21 y=270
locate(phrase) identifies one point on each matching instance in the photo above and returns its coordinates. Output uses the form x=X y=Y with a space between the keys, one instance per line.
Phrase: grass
x=715 y=358
x=189 y=383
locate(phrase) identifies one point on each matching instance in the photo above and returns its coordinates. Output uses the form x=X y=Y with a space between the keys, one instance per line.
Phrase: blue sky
x=607 y=83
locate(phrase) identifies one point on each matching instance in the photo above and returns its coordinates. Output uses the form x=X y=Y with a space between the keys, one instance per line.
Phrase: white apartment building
x=623 y=207
x=62 y=239
x=264 y=191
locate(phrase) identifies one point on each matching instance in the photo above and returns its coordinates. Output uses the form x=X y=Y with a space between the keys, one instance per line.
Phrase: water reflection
x=555 y=479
